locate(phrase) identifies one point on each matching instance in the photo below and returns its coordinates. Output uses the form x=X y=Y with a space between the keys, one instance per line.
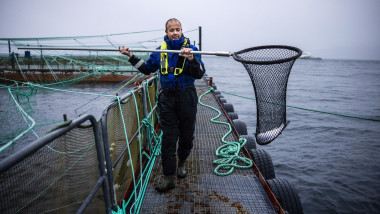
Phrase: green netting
x=58 y=177
x=30 y=102
x=55 y=179
x=38 y=88
x=116 y=134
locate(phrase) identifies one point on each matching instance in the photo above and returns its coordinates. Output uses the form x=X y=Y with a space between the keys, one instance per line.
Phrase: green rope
x=148 y=170
x=19 y=67
x=307 y=109
x=51 y=70
x=140 y=144
x=23 y=113
x=62 y=207
x=126 y=139
x=229 y=152
x=148 y=123
x=67 y=153
x=26 y=116
x=156 y=150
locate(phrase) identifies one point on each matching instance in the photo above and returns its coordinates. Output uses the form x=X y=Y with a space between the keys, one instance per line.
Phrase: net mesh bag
x=269 y=68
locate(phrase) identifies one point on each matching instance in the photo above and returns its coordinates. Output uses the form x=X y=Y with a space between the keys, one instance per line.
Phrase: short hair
x=170 y=20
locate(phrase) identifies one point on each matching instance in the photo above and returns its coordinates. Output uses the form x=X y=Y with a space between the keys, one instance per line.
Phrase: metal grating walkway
x=202 y=191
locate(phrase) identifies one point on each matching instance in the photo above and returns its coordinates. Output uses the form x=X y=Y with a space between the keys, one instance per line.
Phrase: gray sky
x=343 y=29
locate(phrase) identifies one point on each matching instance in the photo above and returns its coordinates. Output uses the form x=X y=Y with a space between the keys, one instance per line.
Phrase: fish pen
x=106 y=158
x=131 y=146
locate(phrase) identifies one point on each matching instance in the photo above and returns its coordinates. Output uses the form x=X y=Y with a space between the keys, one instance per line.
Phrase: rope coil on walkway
x=228 y=153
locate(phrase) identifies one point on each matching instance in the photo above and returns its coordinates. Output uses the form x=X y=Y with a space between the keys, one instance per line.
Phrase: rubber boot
x=181 y=172
x=167 y=184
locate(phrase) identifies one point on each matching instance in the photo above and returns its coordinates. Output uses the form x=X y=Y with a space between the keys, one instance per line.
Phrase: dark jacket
x=193 y=69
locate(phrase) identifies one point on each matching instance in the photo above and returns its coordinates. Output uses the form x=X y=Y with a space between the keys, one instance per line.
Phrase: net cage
x=55 y=177
x=37 y=87
x=269 y=68
x=59 y=175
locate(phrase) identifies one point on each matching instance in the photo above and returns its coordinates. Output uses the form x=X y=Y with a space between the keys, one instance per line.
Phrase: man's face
x=173 y=30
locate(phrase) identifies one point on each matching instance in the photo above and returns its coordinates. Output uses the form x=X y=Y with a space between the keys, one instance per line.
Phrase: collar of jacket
x=174 y=44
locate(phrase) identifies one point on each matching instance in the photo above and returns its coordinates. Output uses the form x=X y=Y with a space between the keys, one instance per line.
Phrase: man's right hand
x=124 y=50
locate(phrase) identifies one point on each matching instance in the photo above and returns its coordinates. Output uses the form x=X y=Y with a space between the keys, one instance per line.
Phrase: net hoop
x=297 y=53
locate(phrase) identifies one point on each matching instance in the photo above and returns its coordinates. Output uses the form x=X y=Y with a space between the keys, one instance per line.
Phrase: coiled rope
x=228 y=153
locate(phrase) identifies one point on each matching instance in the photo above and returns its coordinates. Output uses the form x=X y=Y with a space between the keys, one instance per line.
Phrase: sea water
x=333 y=161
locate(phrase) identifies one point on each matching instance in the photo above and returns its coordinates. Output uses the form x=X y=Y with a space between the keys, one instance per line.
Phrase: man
x=177 y=100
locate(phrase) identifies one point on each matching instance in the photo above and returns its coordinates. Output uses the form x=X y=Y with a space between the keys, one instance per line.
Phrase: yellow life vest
x=164 y=60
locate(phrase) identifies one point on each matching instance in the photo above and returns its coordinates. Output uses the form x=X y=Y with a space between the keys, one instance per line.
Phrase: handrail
x=106 y=145
x=17 y=157
x=108 y=189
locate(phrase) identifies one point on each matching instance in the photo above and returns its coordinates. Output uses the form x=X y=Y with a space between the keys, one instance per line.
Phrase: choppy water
x=333 y=161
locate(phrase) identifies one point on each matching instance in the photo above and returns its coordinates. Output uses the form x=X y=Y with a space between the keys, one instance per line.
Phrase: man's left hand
x=186 y=53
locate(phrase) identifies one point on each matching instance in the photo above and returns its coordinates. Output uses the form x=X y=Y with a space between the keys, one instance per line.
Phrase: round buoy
x=222 y=100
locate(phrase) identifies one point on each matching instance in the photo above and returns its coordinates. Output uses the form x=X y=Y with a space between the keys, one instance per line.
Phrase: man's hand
x=125 y=51
x=186 y=53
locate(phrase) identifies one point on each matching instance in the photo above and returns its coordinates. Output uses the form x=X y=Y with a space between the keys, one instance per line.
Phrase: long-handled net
x=268 y=67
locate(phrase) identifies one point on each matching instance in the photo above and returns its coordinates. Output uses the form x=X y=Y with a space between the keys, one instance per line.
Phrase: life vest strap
x=180 y=61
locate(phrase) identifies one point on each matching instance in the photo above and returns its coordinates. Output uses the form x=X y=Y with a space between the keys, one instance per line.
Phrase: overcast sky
x=343 y=29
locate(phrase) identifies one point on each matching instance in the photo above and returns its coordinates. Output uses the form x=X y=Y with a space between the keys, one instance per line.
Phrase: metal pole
x=200 y=38
x=9 y=46
x=216 y=53
x=107 y=155
x=11 y=55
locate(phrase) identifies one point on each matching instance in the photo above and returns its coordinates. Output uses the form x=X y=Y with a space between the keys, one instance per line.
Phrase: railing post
x=102 y=170
x=200 y=38
x=107 y=156
x=9 y=46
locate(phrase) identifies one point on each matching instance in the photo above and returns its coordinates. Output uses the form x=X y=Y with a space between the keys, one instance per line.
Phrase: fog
x=339 y=29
